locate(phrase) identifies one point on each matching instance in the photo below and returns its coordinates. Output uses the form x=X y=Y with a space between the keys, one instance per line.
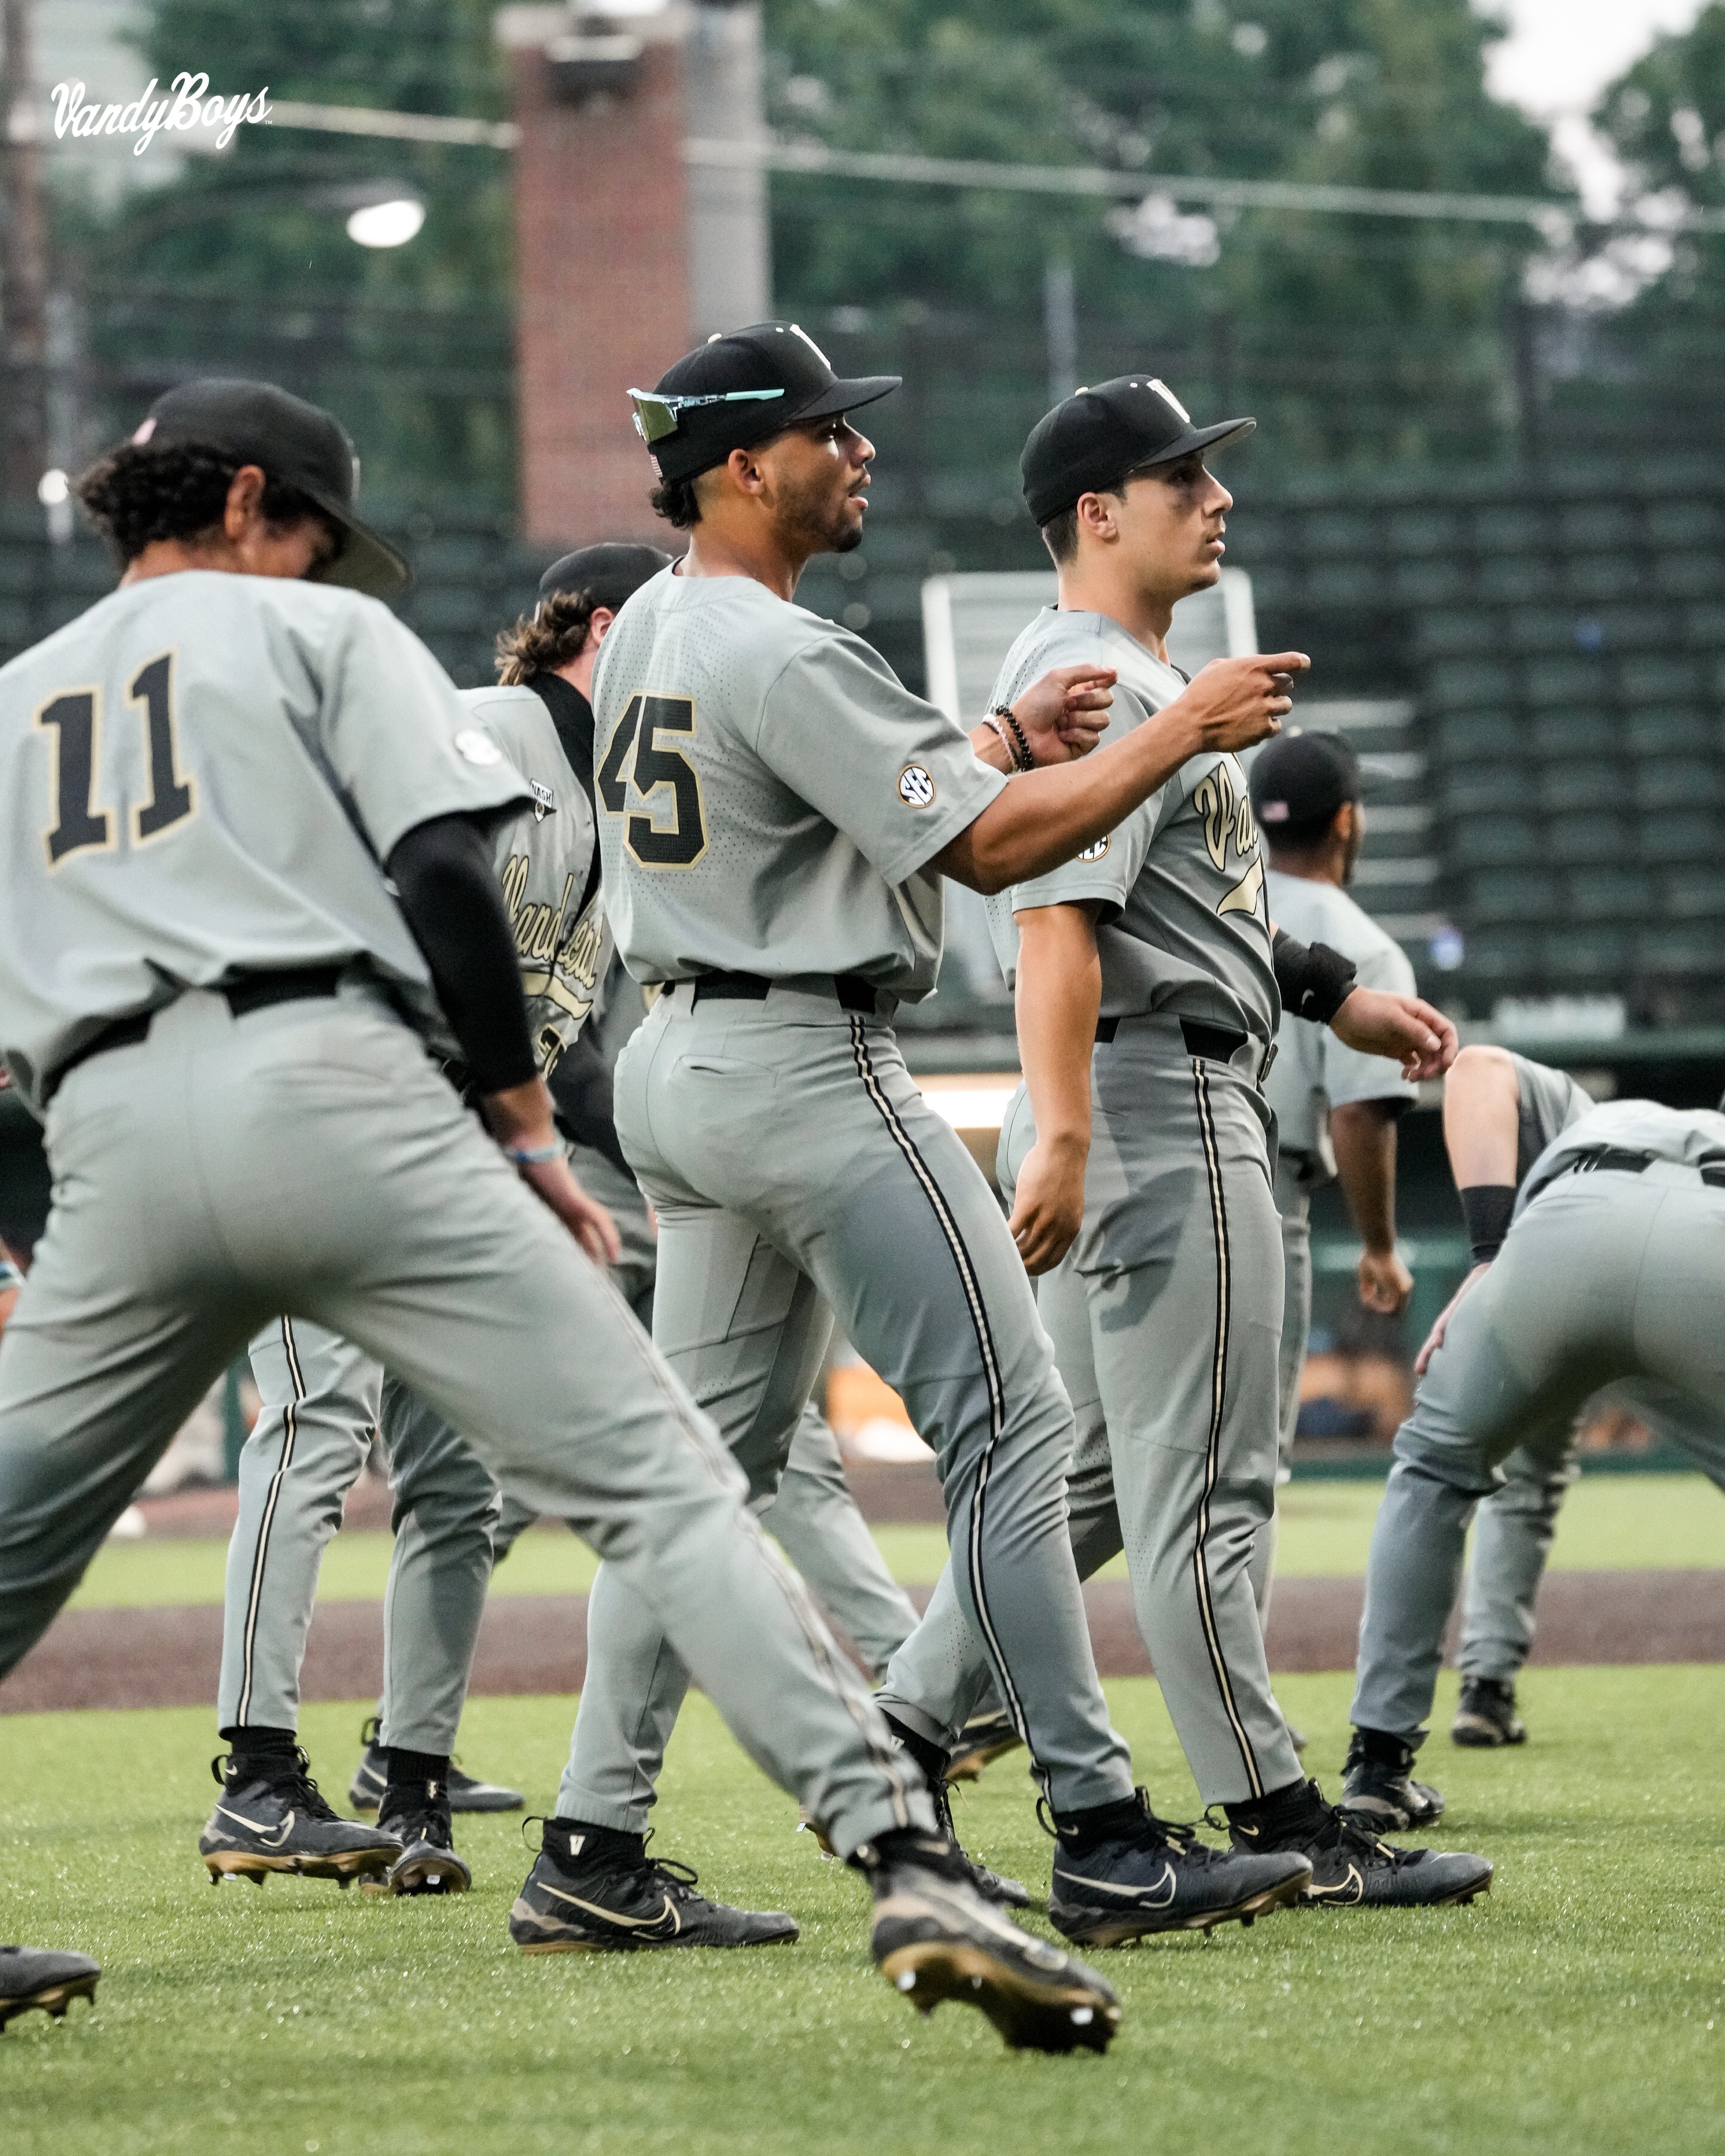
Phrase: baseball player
x=1336 y=1111
x=1611 y=1269
x=777 y=813
x=1501 y=1112
x=321 y=1396
x=1149 y=980
x=246 y=821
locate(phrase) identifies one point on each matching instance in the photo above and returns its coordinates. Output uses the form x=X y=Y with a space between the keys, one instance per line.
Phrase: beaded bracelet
x=1020 y=755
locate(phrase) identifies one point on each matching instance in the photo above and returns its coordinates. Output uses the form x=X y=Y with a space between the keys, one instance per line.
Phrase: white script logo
x=186 y=106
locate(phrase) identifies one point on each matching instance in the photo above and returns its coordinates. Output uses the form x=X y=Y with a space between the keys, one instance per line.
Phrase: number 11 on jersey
x=75 y=718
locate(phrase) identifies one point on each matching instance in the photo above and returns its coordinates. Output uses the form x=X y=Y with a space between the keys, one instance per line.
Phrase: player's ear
x=746 y=472
x=245 y=491
x=599 y=625
x=1095 y=516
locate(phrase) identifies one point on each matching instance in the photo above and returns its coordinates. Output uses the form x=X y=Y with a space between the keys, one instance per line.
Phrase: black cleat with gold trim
x=594 y=1890
x=40 y=1977
x=1351 y=1868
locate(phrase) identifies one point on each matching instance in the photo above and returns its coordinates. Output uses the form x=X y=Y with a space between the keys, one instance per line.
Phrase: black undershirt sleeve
x=448 y=889
x=580 y=1083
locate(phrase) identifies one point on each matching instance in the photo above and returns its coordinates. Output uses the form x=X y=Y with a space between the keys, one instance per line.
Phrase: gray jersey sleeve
x=1104 y=874
x=391 y=724
x=894 y=773
x=1550 y=1103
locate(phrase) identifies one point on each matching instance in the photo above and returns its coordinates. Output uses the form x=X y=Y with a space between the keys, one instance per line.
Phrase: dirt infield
x=169 y=1657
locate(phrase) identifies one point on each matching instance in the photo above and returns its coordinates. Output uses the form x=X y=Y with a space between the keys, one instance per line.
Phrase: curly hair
x=675 y=500
x=142 y=492
x=549 y=637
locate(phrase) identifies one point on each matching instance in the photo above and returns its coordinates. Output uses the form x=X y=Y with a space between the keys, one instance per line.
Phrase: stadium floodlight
x=391 y=224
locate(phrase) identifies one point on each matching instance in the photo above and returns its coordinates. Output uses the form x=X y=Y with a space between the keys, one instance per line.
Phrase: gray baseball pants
x=322 y=1398
x=308 y=1159
x=1293 y=1208
x=1166 y=1318
x=797 y=1172
x=1604 y=1277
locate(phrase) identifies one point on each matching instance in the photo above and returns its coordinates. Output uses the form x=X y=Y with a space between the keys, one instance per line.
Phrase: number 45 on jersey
x=655 y=766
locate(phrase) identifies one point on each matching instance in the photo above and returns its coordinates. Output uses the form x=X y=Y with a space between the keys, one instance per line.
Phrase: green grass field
x=1610 y=1523
x=1580 y=2007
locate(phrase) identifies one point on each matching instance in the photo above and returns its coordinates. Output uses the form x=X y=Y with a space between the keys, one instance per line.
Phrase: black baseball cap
x=609 y=573
x=299 y=443
x=1299 y=780
x=735 y=391
x=1097 y=436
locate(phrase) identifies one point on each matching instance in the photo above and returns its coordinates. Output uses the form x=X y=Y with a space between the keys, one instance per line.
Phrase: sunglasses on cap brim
x=657 y=416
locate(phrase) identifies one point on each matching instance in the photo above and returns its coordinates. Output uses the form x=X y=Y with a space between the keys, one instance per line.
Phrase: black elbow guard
x=1314 y=980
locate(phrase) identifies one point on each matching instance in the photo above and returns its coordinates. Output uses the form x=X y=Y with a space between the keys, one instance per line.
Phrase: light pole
x=23 y=263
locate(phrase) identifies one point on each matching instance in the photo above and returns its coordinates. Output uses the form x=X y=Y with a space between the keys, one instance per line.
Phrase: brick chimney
x=623 y=254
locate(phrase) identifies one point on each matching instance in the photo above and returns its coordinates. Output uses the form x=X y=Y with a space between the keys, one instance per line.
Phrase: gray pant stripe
x=1219 y=1395
x=254 y=1593
x=991 y=1368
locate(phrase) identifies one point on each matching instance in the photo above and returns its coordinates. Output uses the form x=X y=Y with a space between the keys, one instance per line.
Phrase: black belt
x=853 y=993
x=1216 y=1044
x=251 y=991
x=1623 y=1162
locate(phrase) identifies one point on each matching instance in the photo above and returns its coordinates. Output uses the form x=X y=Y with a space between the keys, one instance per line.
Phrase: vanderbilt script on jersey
x=770 y=794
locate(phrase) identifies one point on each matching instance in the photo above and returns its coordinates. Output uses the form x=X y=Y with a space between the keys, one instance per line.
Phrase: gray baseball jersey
x=770 y=794
x=170 y=760
x=1314 y=1072
x=1551 y=1103
x=1183 y=926
x=547 y=863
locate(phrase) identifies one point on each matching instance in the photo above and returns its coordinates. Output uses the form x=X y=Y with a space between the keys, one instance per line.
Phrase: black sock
x=1383 y=1748
x=1289 y=1810
x=932 y=1757
x=572 y=1841
x=405 y=1767
x=258 y=1749
x=1096 y=1824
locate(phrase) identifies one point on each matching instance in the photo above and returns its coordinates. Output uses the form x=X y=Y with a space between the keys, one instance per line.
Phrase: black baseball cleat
x=1485 y=1714
x=934 y=1937
x=1120 y=1873
x=1351 y=1868
x=272 y=1817
x=467 y=1794
x=1378 y=1791
x=984 y=1739
x=38 y=1976
x=594 y=1890
x=1004 y=1893
x=418 y=1815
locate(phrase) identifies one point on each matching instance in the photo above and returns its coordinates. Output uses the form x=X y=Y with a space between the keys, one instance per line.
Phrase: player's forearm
x=1363 y=1135
x=443 y=875
x=1482 y=1109
x=1059 y=995
x=1042 y=818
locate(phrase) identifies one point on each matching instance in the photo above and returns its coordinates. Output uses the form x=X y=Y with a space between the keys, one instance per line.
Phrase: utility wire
x=1545 y=216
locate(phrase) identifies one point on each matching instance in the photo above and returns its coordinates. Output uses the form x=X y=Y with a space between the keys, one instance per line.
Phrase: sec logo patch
x=477 y=747
x=915 y=788
x=1095 y=852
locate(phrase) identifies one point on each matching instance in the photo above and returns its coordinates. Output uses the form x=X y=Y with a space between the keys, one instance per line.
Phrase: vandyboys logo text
x=186 y=106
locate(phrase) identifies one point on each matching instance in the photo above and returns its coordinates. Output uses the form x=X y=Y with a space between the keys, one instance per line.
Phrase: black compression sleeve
x=1487 y=1208
x=580 y=1084
x=442 y=871
x=1313 y=980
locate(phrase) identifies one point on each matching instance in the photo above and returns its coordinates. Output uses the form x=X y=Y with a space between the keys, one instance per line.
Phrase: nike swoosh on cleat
x=1339 y=1892
x=280 y=1834
x=611 y=1915
x=1153 y=1897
